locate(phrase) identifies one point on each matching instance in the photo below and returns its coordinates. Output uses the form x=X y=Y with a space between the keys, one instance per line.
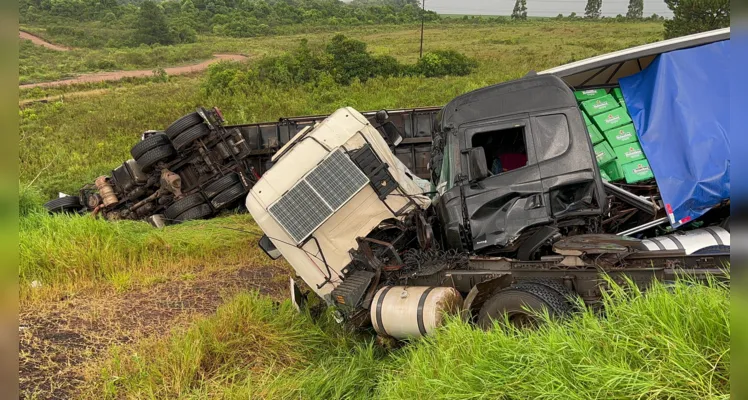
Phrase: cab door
x=508 y=201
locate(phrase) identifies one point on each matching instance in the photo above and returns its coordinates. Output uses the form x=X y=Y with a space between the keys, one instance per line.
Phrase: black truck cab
x=514 y=160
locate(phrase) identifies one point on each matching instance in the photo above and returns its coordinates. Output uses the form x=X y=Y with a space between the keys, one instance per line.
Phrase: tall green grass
x=72 y=251
x=670 y=342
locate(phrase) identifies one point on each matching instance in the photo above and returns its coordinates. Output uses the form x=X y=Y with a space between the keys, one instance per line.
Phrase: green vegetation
x=65 y=249
x=672 y=342
x=593 y=9
x=694 y=16
x=132 y=23
x=520 y=10
x=342 y=61
x=635 y=10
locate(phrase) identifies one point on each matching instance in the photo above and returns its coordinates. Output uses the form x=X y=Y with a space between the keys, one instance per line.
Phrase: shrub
x=224 y=76
x=343 y=60
x=445 y=62
x=348 y=60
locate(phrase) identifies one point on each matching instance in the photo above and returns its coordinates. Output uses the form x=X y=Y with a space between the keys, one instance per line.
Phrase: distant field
x=140 y=303
x=38 y=64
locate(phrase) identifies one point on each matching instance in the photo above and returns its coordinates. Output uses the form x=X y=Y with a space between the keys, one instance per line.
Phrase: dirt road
x=41 y=42
x=117 y=75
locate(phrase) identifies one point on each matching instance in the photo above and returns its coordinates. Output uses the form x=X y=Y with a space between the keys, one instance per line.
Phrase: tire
x=517 y=300
x=228 y=196
x=567 y=294
x=149 y=143
x=64 y=204
x=221 y=184
x=199 y=212
x=184 y=204
x=153 y=156
x=182 y=124
x=190 y=135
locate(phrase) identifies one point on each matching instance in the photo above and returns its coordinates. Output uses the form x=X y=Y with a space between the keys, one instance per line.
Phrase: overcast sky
x=540 y=8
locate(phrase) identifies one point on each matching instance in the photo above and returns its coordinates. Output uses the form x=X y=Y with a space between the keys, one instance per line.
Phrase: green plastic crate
x=587 y=120
x=595 y=135
x=599 y=105
x=603 y=153
x=637 y=171
x=617 y=94
x=622 y=135
x=613 y=170
x=604 y=175
x=612 y=119
x=629 y=152
x=582 y=95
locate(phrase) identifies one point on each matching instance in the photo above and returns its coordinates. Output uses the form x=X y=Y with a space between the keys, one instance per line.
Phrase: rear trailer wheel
x=183 y=124
x=185 y=138
x=221 y=184
x=184 y=204
x=152 y=157
x=64 y=204
x=199 y=212
x=149 y=143
x=520 y=304
x=228 y=196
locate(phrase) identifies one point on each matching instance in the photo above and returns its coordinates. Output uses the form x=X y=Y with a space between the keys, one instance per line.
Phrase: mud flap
x=297 y=298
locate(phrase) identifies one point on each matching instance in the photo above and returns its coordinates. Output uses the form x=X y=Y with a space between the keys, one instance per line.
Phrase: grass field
x=575 y=40
x=665 y=345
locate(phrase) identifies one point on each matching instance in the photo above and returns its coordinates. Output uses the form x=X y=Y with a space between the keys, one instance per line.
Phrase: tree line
x=689 y=16
x=179 y=21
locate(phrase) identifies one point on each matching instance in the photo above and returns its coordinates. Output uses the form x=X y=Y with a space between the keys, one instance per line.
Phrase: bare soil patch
x=60 y=340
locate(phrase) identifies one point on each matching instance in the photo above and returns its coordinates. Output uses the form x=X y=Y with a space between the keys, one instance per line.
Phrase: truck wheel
x=64 y=204
x=182 y=124
x=190 y=135
x=558 y=287
x=228 y=196
x=153 y=156
x=149 y=143
x=520 y=303
x=199 y=212
x=221 y=184
x=182 y=205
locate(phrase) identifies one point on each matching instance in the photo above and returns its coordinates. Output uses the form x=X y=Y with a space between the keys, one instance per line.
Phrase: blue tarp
x=680 y=105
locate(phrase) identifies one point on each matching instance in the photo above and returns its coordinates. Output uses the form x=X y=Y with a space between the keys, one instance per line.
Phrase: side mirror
x=388 y=129
x=393 y=134
x=477 y=166
x=269 y=248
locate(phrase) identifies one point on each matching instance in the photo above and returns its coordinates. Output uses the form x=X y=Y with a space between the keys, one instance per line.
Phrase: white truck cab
x=332 y=184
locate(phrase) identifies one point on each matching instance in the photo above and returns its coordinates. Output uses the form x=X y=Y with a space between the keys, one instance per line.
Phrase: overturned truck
x=493 y=243
x=395 y=216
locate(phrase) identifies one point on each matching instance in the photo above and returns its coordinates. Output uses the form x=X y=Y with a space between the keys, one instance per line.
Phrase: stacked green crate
x=617 y=150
